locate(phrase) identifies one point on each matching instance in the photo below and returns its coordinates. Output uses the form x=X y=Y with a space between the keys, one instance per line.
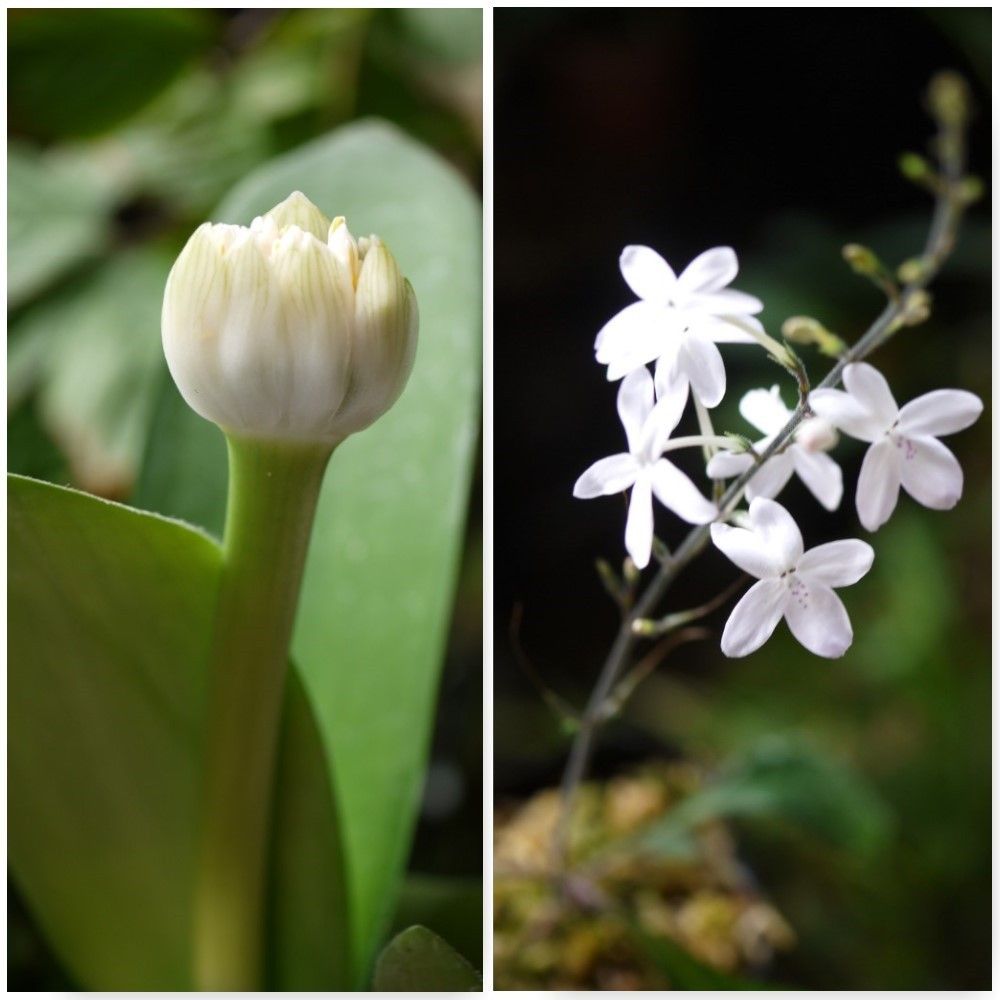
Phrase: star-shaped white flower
x=904 y=447
x=648 y=428
x=677 y=321
x=803 y=456
x=791 y=584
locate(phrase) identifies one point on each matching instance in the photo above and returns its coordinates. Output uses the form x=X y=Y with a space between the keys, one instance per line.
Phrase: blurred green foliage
x=127 y=128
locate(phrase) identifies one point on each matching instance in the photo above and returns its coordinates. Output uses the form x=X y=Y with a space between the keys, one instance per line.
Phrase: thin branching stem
x=941 y=237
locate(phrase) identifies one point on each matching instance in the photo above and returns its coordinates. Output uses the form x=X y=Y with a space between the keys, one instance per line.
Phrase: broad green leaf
x=418 y=961
x=780 y=780
x=110 y=613
x=93 y=354
x=184 y=466
x=58 y=216
x=77 y=72
x=451 y=907
x=379 y=581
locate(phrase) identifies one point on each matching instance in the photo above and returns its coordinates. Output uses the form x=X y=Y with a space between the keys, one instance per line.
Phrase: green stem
x=273 y=489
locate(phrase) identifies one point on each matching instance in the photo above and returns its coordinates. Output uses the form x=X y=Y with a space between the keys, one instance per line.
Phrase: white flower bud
x=816 y=434
x=289 y=329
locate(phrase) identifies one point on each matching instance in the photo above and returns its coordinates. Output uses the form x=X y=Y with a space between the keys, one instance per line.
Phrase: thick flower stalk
x=905 y=450
x=805 y=456
x=678 y=320
x=791 y=583
x=290 y=335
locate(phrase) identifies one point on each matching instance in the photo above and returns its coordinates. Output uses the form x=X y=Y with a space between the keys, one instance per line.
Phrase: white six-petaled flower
x=647 y=428
x=804 y=456
x=904 y=447
x=677 y=321
x=791 y=584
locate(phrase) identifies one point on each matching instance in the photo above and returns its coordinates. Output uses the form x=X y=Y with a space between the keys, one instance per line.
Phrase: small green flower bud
x=289 y=329
x=806 y=330
x=916 y=308
x=645 y=627
x=862 y=260
x=949 y=99
x=630 y=573
x=970 y=190
x=915 y=168
x=911 y=270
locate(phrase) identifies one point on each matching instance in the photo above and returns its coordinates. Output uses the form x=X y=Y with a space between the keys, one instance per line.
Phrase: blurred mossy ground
x=600 y=926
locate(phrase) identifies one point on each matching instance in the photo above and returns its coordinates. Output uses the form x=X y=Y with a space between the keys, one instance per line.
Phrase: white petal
x=727 y=302
x=754 y=618
x=710 y=271
x=607 y=476
x=943 y=411
x=726 y=464
x=667 y=377
x=821 y=474
x=764 y=409
x=635 y=403
x=818 y=619
x=647 y=273
x=677 y=493
x=639 y=526
x=701 y=362
x=869 y=387
x=663 y=419
x=726 y=329
x=930 y=473
x=777 y=531
x=772 y=477
x=837 y=564
x=846 y=413
x=635 y=324
x=745 y=548
x=878 y=484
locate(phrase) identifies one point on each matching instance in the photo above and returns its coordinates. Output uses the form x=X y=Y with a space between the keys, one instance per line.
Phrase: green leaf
x=452 y=35
x=417 y=960
x=93 y=354
x=110 y=616
x=77 y=72
x=451 y=907
x=784 y=781
x=379 y=582
x=58 y=216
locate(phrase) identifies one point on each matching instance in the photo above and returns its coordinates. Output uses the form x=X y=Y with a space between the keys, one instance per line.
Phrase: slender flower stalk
x=951 y=201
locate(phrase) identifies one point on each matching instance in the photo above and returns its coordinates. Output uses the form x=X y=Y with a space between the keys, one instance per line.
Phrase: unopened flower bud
x=288 y=329
x=806 y=330
x=949 y=99
x=917 y=308
x=816 y=434
x=912 y=270
x=970 y=190
x=862 y=259
x=915 y=167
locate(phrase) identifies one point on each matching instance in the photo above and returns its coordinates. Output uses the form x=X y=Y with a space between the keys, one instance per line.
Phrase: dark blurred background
x=126 y=129
x=776 y=132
